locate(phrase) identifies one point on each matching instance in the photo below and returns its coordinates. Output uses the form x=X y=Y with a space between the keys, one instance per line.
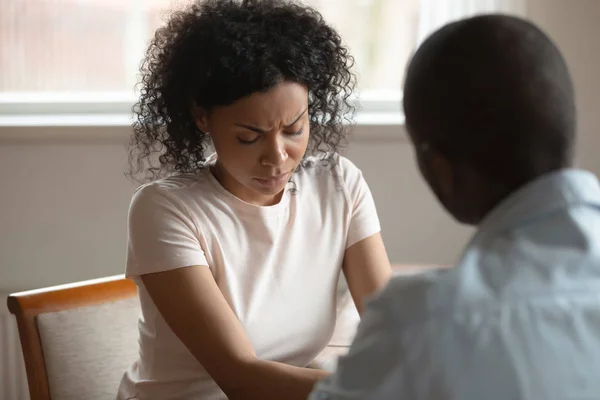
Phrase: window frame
x=380 y=111
x=376 y=109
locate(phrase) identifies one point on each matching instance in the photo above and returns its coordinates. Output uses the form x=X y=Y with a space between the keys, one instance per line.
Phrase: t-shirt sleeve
x=161 y=234
x=364 y=221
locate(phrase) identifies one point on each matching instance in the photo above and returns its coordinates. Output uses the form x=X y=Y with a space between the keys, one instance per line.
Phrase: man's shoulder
x=416 y=296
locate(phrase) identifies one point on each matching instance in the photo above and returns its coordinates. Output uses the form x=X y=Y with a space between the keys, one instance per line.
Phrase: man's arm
x=373 y=356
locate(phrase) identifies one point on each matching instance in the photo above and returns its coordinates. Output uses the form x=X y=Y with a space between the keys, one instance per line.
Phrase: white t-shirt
x=277 y=266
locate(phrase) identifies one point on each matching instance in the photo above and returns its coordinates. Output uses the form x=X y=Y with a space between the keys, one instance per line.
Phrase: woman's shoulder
x=173 y=189
x=337 y=170
x=348 y=170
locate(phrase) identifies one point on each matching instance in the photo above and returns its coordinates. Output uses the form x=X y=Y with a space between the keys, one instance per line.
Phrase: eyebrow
x=258 y=130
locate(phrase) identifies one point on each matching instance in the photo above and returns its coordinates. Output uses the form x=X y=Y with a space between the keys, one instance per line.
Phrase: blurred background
x=94 y=47
x=68 y=70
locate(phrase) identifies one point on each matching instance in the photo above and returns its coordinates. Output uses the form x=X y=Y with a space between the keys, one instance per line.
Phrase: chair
x=78 y=339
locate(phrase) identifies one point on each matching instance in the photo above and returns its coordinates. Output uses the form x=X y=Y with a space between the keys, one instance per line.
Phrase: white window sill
x=369 y=126
x=64 y=120
x=44 y=120
x=107 y=116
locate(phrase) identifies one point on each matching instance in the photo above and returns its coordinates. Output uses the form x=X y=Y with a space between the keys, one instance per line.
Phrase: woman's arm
x=194 y=308
x=366 y=268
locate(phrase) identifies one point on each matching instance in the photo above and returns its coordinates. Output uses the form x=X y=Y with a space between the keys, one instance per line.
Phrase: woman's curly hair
x=215 y=52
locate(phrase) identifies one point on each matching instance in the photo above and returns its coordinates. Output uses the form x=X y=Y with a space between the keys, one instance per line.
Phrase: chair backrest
x=78 y=339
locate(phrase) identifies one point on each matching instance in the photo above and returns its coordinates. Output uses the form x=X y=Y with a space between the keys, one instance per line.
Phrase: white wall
x=64 y=199
x=574 y=25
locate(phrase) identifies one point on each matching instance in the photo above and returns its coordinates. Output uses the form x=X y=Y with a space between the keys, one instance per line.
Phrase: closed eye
x=251 y=141
x=296 y=133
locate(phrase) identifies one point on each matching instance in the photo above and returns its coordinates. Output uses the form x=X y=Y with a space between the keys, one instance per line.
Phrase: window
x=84 y=55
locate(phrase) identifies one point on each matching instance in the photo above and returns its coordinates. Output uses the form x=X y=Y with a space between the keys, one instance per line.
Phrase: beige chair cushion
x=88 y=349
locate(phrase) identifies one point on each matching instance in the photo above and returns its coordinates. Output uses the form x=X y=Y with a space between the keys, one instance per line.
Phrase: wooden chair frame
x=26 y=306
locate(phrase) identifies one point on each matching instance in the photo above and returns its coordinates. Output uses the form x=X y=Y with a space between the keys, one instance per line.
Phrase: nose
x=274 y=153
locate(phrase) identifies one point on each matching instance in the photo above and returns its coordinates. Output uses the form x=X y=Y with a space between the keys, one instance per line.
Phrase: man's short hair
x=493 y=92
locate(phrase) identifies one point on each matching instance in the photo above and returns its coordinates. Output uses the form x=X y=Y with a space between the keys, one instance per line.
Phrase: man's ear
x=439 y=172
x=200 y=115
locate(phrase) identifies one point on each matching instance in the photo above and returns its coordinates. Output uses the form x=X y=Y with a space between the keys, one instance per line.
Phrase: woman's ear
x=200 y=115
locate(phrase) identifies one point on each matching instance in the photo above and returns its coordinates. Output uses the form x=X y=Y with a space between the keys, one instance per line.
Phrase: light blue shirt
x=517 y=318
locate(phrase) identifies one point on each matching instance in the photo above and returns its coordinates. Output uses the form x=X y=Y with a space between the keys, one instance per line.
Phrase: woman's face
x=259 y=140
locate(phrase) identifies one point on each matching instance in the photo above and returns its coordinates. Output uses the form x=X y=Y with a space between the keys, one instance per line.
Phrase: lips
x=272 y=177
x=273 y=180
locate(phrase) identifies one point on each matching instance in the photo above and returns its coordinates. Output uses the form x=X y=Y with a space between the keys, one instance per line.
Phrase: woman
x=237 y=254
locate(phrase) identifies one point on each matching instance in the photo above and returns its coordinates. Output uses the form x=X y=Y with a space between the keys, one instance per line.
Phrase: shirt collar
x=557 y=190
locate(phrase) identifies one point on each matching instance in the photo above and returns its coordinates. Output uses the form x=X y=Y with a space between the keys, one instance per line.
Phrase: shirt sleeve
x=369 y=367
x=364 y=221
x=161 y=234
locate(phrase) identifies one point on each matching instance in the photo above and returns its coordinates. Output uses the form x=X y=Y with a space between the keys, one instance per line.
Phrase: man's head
x=489 y=106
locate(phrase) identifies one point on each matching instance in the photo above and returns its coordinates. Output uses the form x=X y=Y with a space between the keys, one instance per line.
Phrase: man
x=490 y=109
